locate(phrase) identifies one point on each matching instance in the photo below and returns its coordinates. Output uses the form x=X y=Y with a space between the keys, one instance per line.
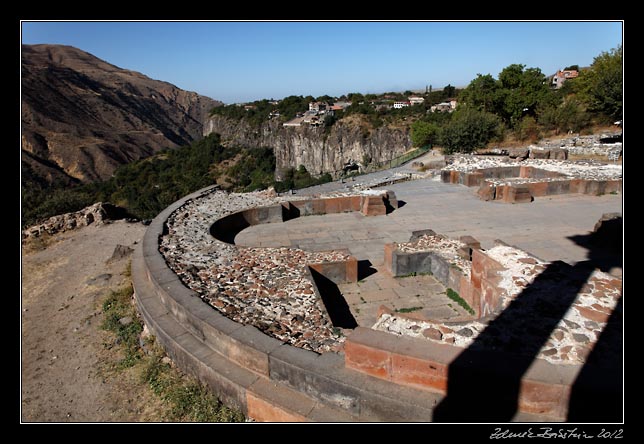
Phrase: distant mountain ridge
x=83 y=117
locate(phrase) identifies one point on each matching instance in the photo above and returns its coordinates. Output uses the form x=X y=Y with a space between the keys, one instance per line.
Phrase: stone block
x=517 y=194
x=558 y=187
x=250 y=348
x=538 y=189
x=351 y=270
x=486 y=191
x=482 y=267
x=541 y=398
x=389 y=250
x=366 y=359
x=419 y=372
x=332 y=206
x=559 y=153
x=472 y=179
x=470 y=295
x=454 y=278
x=439 y=268
x=500 y=192
x=373 y=206
x=271 y=402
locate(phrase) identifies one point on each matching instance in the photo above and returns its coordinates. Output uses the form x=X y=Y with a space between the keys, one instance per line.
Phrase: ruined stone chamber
x=519 y=180
x=254 y=324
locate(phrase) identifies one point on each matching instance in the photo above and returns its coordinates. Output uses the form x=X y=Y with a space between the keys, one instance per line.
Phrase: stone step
x=325 y=378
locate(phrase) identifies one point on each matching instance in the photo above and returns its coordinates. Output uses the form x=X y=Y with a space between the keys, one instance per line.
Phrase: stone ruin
x=254 y=323
x=521 y=181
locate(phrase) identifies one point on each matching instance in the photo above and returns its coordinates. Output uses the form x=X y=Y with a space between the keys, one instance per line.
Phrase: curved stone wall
x=268 y=379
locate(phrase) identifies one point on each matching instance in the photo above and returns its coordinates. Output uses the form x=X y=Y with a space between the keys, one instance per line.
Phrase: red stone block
x=318 y=267
x=472 y=179
x=318 y=206
x=368 y=360
x=517 y=194
x=418 y=372
x=542 y=398
x=526 y=171
x=355 y=203
x=454 y=176
x=500 y=192
x=470 y=295
x=538 y=189
x=486 y=192
x=578 y=186
x=352 y=270
x=331 y=206
x=263 y=411
x=389 y=256
x=373 y=206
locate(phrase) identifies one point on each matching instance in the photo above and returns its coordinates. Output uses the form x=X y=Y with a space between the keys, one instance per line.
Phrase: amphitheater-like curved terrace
x=257 y=325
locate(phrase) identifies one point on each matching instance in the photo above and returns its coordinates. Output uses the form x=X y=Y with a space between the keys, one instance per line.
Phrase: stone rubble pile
x=264 y=287
x=590 y=170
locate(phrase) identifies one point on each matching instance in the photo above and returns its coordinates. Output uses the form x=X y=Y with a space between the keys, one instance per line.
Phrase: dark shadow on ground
x=365 y=269
x=491 y=392
x=401 y=203
x=335 y=304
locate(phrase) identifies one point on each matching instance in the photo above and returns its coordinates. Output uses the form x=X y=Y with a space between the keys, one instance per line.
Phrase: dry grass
x=35 y=244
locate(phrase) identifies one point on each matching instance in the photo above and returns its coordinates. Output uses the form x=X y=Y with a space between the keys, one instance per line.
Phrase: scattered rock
x=120 y=252
x=582 y=339
x=433 y=333
x=126 y=320
x=465 y=332
x=101 y=279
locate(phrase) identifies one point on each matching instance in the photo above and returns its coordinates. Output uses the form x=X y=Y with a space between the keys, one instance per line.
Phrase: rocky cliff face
x=83 y=117
x=320 y=152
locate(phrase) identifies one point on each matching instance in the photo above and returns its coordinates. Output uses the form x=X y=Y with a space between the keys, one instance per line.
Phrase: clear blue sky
x=244 y=61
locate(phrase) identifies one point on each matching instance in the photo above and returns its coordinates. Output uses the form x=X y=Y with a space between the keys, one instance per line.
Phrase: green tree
x=571 y=68
x=468 y=130
x=449 y=91
x=601 y=85
x=482 y=93
x=424 y=133
x=522 y=91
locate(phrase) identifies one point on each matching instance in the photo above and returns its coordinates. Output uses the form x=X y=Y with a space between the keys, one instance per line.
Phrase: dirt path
x=65 y=353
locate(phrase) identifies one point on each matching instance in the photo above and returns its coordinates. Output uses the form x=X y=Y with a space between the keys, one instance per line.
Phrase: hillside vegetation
x=145 y=187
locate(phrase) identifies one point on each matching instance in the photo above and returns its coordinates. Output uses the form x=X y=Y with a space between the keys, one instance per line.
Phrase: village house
x=317 y=106
x=448 y=105
x=561 y=76
x=416 y=100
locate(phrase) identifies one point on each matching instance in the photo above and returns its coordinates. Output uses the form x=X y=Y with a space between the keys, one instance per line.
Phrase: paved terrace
x=546 y=228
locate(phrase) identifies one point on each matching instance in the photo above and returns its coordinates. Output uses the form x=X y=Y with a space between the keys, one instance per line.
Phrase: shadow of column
x=484 y=385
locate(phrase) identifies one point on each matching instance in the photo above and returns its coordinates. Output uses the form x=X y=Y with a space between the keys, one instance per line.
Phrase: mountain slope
x=83 y=117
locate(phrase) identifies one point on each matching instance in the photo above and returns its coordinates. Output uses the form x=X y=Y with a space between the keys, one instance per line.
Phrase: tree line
x=522 y=104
